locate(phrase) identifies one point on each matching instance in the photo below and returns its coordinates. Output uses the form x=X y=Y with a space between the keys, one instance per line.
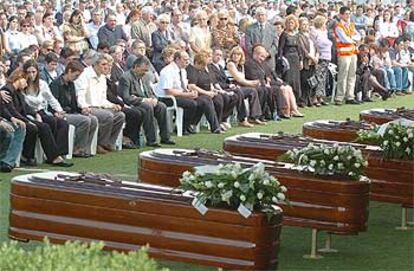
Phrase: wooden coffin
x=128 y=215
x=391 y=180
x=380 y=116
x=332 y=205
x=343 y=131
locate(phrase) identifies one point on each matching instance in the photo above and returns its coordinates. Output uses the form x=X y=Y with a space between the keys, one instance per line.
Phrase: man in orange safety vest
x=347 y=38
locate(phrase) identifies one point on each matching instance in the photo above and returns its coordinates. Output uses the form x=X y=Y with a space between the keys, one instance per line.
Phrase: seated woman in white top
x=40 y=99
x=13 y=36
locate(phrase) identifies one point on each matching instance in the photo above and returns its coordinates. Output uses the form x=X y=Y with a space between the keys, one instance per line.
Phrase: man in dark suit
x=256 y=69
x=137 y=93
x=262 y=32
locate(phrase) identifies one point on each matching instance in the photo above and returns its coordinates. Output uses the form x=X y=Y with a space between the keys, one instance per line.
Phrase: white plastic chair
x=179 y=114
x=94 y=143
x=39 y=154
x=71 y=141
x=118 y=142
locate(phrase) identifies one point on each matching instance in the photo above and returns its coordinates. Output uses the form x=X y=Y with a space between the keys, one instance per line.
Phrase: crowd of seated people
x=112 y=68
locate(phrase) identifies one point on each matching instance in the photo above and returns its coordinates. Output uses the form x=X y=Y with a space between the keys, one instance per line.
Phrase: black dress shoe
x=81 y=155
x=352 y=102
x=29 y=162
x=5 y=168
x=186 y=133
x=153 y=144
x=62 y=164
x=168 y=142
x=190 y=130
x=368 y=100
x=129 y=146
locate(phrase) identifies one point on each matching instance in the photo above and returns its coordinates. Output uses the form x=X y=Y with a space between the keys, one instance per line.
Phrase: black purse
x=313 y=81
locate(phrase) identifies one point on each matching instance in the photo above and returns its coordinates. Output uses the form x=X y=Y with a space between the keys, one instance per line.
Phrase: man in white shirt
x=93 y=27
x=91 y=90
x=173 y=81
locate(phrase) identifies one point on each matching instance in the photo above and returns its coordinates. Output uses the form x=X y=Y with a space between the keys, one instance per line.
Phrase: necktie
x=182 y=81
x=144 y=89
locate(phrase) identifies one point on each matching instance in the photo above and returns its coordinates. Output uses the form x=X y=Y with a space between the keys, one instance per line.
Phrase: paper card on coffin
x=314 y=202
x=131 y=215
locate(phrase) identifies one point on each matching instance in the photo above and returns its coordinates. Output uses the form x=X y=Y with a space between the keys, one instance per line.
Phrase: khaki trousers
x=346 y=78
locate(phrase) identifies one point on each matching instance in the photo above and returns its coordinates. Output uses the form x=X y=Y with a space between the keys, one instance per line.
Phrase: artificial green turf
x=380 y=248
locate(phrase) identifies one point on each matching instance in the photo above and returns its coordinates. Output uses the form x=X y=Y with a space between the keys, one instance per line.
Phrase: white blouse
x=43 y=99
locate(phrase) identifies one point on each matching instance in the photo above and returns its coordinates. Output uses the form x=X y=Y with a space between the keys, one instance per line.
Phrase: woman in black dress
x=200 y=79
x=289 y=48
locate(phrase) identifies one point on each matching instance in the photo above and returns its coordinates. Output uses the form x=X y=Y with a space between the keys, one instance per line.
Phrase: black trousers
x=267 y=101
x=307 y=92
x=59 y=128
x=43 y=131
x=189 y=106
x=253 y=97
x=205 y=106
x=230 y=101
x=152 y=113
x=134 y=117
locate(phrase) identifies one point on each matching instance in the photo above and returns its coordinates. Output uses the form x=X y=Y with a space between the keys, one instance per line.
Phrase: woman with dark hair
x=35 y=127
x=13 y=35
x=388 y=28
x=75 y=33
x=39 y=98
x=132 y=17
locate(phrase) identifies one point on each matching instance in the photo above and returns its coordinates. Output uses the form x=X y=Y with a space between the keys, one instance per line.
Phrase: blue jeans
x=401 y=78
x=389 y=78
x=11 y=145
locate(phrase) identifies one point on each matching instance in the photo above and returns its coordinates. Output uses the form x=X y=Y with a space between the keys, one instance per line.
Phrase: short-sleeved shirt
x=170 y=79
x=200 y=78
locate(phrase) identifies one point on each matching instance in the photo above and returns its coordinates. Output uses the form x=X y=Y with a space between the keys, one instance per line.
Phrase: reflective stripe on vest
x=342 y=48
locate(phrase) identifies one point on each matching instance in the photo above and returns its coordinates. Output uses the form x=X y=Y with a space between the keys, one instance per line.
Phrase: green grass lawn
x=380 y=248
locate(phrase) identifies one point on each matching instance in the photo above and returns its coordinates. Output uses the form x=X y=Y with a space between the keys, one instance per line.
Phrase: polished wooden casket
x=125 y=216
x=391 y=180
x=344 y=131
x=334 y=205
x=380 y=116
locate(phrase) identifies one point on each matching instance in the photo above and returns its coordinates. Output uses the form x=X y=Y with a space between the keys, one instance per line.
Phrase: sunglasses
x=25 y=25
x=164 y=22
x=223 y=19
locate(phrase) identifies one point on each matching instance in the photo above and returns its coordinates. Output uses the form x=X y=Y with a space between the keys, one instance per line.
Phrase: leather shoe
x=101 y=150
x=62 y=164
x=186 y=133
x=5 y=167
x=108 y=148
x=29 y=162
x=81 y=155
x=352 y=102
x=191 y=130
x=129 y=146
x=153 y=144
x=218 y=131
x=168 y=142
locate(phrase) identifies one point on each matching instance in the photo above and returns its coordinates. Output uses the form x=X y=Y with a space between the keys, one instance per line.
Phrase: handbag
x=312 y=81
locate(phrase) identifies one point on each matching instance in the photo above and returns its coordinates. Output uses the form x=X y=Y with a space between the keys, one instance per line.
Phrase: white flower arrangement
x=248 y=189
x=396 y=139
x=323 y=159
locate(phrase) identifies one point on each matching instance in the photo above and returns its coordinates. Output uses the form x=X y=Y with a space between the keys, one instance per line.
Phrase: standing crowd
x=111 y=68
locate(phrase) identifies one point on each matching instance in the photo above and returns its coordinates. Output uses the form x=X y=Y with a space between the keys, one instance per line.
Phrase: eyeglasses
x=164 y=22
x=25 y=25
x=223 y=19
